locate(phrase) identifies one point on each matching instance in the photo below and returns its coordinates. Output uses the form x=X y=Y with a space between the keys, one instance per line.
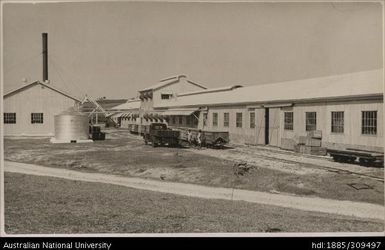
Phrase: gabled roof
x=131 y=104
x=168 y=81
x=50 y=86
x=106 y=104
x=358 y=84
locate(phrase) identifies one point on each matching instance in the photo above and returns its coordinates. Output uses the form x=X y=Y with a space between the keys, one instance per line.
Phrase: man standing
x=189 y=137
x=199 y=138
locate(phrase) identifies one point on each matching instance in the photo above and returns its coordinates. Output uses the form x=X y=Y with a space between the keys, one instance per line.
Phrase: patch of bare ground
x=270 y=170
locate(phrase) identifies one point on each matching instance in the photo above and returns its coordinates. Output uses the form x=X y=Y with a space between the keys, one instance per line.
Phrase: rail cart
x=349 y=155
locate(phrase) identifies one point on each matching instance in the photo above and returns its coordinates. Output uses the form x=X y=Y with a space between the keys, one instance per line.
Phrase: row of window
x=368 y=121
x=226 y=119
x=10 y=118
x=179 y=120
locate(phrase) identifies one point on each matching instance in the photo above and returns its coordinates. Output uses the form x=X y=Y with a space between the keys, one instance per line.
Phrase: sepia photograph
x=191 y=118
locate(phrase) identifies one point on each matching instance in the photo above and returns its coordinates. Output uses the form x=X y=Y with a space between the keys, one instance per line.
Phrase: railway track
x=330 y=169
x=247 y=150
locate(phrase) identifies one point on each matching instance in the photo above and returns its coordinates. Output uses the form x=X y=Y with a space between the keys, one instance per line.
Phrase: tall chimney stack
x=45 y=56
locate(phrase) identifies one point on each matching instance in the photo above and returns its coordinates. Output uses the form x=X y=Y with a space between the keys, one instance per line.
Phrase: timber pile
x=310 y=144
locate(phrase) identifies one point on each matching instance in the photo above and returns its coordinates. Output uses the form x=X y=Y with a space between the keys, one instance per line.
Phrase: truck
x=158 y=134
x=214 y=139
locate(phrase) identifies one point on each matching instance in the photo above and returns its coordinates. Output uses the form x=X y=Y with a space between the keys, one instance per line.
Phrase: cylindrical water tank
x=71 y=125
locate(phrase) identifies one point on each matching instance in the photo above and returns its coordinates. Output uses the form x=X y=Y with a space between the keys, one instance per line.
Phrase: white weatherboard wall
x=245 y=134
x=35 y=99
x=351 y=137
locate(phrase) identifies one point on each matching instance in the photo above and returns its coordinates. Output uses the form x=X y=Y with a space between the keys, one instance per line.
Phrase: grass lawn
x=35 y=204
x=126 y=156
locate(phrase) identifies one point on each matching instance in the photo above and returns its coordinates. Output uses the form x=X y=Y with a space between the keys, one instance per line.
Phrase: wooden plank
x=313 y=142
x=357 y=153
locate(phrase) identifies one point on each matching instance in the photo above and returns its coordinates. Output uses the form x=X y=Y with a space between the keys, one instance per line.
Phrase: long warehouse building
x=347 y=109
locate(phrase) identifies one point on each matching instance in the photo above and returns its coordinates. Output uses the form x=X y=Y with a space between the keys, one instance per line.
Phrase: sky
x=114 y=49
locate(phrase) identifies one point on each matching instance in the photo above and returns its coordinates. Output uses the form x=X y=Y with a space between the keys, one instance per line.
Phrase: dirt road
x=347 y=208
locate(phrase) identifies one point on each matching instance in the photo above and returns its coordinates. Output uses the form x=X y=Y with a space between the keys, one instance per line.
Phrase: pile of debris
x=310 y=144
x=241 y=168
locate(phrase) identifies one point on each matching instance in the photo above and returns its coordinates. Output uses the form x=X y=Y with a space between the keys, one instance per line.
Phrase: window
x=188 y=120
x=338 y=122
x=215 y=119
x=195 y=120
x=252 y=119
x=311 y=121
x=369 y=122
x=173 y=120
x=180 y=119
x=226 y=119
x=204 y=119
x=10 y=118
x=36 y=118
x=238 y=122
x=165 y=96
x=288 y=120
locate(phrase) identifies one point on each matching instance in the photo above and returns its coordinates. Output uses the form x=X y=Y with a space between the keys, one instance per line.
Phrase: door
x=269 y=128
x=260 y=126
x=274 y=126
x=267 y=123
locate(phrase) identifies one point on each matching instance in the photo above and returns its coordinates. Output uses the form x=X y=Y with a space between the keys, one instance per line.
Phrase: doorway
x=266 y=126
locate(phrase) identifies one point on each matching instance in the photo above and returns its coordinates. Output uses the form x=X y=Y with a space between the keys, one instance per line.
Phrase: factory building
x=157 y=95
x=126 y=113
x=29 y=110
x=347 y=109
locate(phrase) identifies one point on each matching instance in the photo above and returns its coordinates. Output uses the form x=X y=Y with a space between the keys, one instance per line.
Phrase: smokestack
x=45 y=56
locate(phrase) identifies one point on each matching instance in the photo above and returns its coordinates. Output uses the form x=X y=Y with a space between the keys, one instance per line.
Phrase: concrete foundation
x=53 y=140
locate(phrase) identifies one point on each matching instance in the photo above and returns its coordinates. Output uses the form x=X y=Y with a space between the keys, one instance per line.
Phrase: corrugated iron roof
x=106 y=104
x=132 y=104
x=170 y=80
x=226 y=88
x=346 y=85
x=185 y=111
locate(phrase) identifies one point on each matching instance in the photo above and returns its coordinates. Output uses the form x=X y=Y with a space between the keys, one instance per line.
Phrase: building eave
x=367 y=97
x=22 y=88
